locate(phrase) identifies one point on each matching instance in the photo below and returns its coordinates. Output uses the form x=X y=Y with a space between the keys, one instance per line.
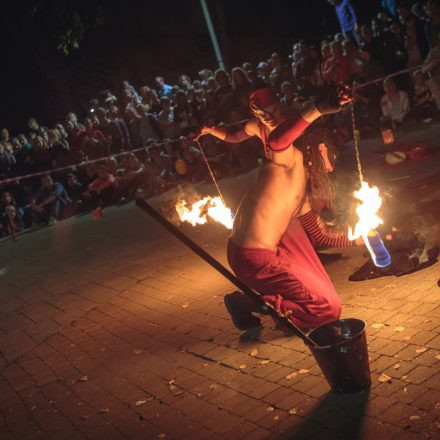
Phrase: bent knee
x=335 y=309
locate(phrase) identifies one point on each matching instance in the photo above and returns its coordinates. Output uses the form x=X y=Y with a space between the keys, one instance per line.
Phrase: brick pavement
x=112 y=329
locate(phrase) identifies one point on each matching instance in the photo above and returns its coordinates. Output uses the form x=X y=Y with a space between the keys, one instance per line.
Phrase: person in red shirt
x=92 y=141
x=336 y=69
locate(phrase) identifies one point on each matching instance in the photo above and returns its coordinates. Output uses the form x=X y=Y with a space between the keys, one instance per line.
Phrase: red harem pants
x=292 y=278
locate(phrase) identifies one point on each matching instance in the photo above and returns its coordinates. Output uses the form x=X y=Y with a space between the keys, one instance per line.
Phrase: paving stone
x=110 y=352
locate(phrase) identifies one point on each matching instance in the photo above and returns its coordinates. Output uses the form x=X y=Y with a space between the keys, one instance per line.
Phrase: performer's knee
x=335 y=309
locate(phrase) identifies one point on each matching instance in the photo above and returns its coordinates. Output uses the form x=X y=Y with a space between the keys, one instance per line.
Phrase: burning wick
x=198 y=213
x=368 y=222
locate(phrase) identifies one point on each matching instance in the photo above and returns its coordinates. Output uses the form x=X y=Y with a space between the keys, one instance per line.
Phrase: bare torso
x=267 y=208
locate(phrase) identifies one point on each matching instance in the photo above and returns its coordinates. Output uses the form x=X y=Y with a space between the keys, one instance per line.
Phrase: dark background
x=136 y=41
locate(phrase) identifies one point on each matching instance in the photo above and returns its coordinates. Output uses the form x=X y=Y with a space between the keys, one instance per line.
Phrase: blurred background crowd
x=140 y=137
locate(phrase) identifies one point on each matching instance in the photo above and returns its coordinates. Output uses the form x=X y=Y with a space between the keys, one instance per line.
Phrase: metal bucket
x=342 y=354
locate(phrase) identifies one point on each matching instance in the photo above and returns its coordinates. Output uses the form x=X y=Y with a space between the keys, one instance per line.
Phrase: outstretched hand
x=331 y=98
x=203 y=130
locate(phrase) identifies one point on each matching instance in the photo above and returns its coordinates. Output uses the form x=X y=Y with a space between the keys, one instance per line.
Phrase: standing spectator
x=119 y=131
x=166 y=119
x=347 y=19
x=394 y=104
x=223 y=93
x=336 y=68
x=386 y=48
x=303 y=68
x=242 y=88
x=149 y=101
x=429 y=13
x=93 y=141
x=287 y=96
x=355 y=64
x=389 y=6
x=184 y=114
x=49 y=201
x=415 y=38
x=423 y=102
x=184 y=82
x=162 y=88
x=431 y=66
x=148 y=126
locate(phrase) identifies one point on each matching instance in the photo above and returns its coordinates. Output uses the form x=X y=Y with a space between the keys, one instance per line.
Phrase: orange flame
x=366 y=211
x=198 y=213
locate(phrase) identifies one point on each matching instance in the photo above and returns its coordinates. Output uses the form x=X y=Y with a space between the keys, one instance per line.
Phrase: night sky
x=138 y=40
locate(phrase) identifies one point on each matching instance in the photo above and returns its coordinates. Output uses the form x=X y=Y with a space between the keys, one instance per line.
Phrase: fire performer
x=270 y=248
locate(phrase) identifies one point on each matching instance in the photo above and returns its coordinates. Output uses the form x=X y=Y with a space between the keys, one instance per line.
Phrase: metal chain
x=210 y=171
x=356 y=137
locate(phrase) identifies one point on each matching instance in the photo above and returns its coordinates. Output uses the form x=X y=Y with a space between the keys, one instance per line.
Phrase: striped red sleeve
x=320 y=234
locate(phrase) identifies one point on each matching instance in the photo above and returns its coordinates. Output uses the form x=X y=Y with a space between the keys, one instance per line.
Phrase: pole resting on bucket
x=141 y=203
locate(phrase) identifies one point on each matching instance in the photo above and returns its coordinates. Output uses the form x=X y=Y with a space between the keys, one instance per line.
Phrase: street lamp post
x=212 y=34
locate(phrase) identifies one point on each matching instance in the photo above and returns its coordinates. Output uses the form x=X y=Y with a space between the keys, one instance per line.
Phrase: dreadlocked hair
x=319 y=187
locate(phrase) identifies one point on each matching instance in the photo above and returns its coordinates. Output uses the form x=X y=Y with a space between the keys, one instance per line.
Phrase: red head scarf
x=263 y=98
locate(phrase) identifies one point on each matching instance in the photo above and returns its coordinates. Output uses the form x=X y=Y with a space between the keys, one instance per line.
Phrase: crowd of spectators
x=141 y=138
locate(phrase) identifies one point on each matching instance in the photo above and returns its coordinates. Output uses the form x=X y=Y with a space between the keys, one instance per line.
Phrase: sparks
x=198 y=212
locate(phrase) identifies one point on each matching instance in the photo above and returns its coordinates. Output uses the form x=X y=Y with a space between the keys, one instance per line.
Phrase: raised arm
x=225 y=135
x=330 y=100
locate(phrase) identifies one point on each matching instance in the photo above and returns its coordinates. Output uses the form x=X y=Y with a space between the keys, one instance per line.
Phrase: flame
x=198 y=213
x=366 y=211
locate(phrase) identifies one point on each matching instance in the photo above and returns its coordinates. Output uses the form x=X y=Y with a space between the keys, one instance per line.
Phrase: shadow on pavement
x=336 y=412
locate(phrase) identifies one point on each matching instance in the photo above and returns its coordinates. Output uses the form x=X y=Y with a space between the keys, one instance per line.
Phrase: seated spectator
x=102 y=190
x=158 y=169
x=394 y=104
x=423 y=102
x=11 y=214
x=76 y=191
x=193 y=158
x=74 y=188
x=132 y=173
x=49 y=201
